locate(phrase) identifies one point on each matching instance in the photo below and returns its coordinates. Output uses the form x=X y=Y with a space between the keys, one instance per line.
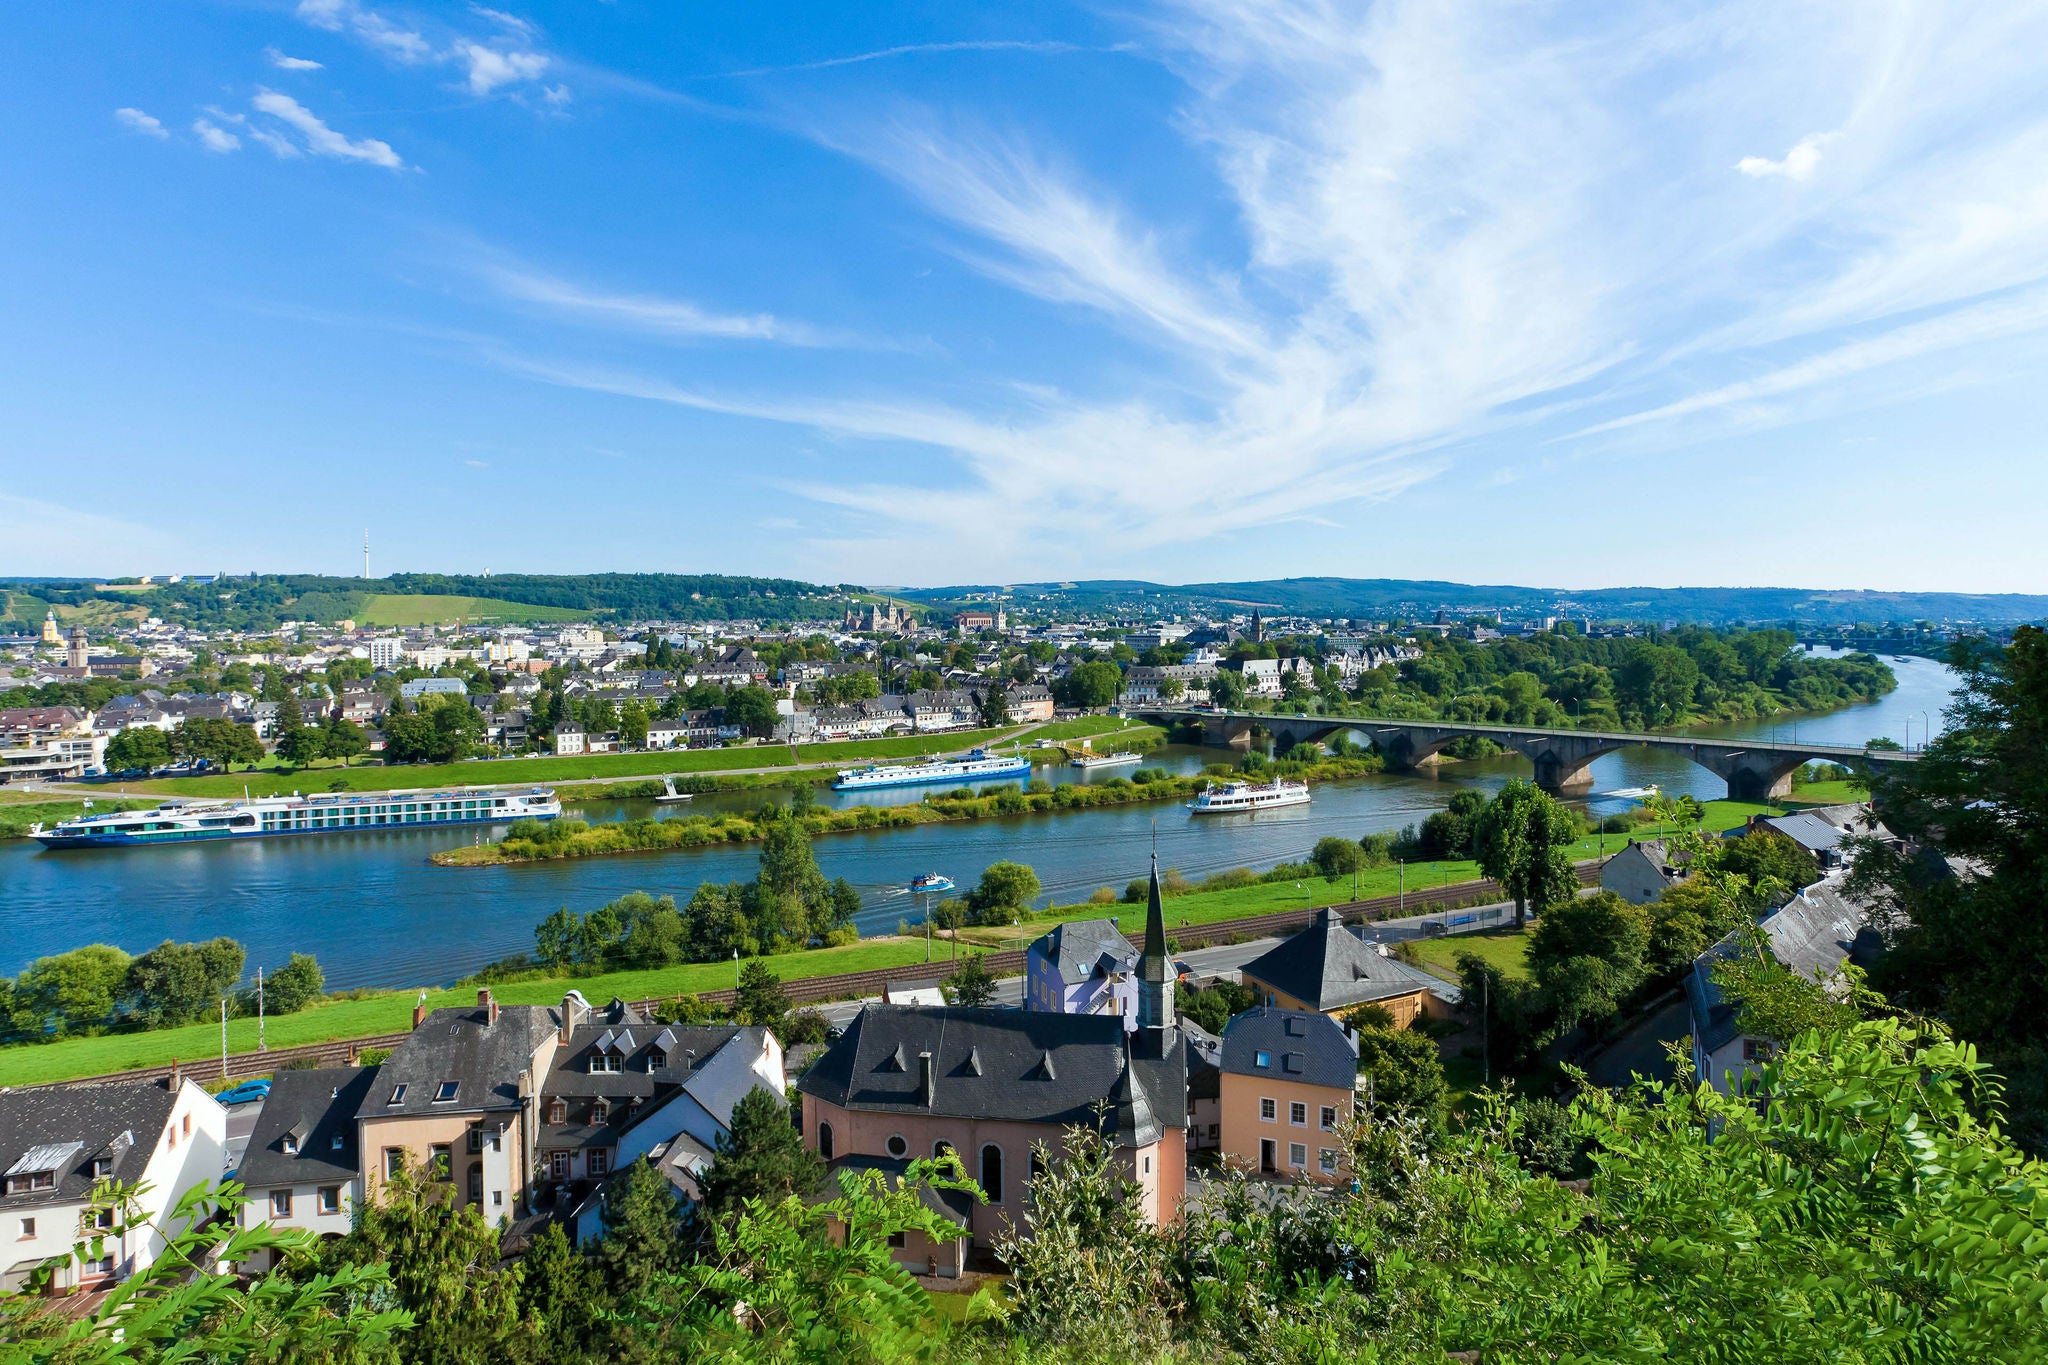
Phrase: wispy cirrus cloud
x=213 y=137
x=652 y=314
x=321 y=140
x=285 y=63
x=501 y=60
x=1796 y=164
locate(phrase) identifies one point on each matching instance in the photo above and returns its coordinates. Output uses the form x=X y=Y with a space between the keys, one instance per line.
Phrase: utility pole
x=735 y=972
x=1486 y=1028
x=366 y=552
x=260 y=1046
x=223 y=1037
x=1402 y=863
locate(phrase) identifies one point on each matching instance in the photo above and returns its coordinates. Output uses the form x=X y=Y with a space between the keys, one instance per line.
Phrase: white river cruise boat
x=181 y=822
x=976 y=766
x=1238 y=798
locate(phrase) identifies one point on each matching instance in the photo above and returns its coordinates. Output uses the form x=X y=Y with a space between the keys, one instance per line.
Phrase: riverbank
x=563 y=840
x=271 y=779
x=17 y=816
x=365 y=1014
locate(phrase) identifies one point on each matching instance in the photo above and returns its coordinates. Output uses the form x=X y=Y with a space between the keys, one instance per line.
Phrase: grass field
x=1830 y=794
x=391 y=1011
x=426 y=609
x=17 y=816
x=1506 y=949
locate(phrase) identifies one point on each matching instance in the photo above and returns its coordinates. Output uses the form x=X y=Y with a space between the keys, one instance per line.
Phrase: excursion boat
x=1237 y=798
x=976 y=766
x=669 y=795
x=1090 y=761
x=931 y=883
x=182 y=822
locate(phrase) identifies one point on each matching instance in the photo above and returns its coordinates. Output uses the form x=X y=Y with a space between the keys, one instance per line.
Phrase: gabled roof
x=1329 y=967
x=1084 y=948
x=1297 y=1045
x=1024 y=1066
x=314 y=1107
x=460 y=1045
x=63 y=1128
x=1813 y=934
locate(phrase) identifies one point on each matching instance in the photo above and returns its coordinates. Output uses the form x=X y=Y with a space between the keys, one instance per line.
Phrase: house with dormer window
x=624 y=1086
x=303 y=1165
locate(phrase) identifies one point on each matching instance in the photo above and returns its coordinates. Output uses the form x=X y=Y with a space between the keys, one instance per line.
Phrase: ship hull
x=911 y=777
x=117 y=839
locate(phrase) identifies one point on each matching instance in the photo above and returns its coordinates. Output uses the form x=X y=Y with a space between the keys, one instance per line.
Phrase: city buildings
x=1285 y=1092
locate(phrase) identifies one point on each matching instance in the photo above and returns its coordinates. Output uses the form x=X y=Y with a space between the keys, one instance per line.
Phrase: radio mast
x=366 y=552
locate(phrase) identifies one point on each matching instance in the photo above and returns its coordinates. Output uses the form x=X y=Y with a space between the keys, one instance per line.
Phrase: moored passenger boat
x=180 y=822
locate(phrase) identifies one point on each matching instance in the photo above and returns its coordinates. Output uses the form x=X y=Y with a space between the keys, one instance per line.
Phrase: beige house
x=1329 y=969
x=1285 y=1091
x=463 y=1091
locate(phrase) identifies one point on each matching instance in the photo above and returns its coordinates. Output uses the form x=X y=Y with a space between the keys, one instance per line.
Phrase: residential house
x=1820 y=831
x=303 y=1164
x=1030 y=704
x=61 y=1144
x=40 y=742
x=622 y=1087
x=1205 y=1089
x=1083 y=967
x=1285 y=1089
x=1813 y=934
x=570 y=738
x=432 y=687
x=1329 y=969
x=905 y=1082
x=1641 y=873
x=461 y=1091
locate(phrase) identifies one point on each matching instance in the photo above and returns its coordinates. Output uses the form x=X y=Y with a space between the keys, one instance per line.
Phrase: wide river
x=377 y=913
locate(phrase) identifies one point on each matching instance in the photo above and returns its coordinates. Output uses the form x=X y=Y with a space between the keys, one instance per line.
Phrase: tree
x=643 y=1230
x=178 y=1307
x=1095 y=683
x=138 y=746
x=1587 y=954
x=218 y=740
x=1088 y=1269
x=344 y=739
x=561 y=1294
x=180 y=983
x=1519 y=840
x=1226 y=689
x=1005 y=891
x=1448 y=833
x=633 y=724
x=760 y=1156
x=1334 y=857
x=973 y=985
x=752 y=709
x=760 y=1001
x=1400 y=1072
x=293 y=986
x=297 y=743
x=70 y=992
x=995 y=705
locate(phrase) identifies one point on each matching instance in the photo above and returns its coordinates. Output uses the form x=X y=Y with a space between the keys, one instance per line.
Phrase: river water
x=377 y=913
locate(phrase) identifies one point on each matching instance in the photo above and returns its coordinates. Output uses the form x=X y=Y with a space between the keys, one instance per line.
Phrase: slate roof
x=457 y=1045
x=314 y=1108
x=1084 y=948
x=1328 y=966
x=633 y=1037
x=1021 y=1065
x=1299 y=1045
x=1813 y=934
x=70 y=1125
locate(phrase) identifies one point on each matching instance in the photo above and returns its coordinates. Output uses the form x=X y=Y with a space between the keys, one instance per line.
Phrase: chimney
x=487 y=1005
x=354 y=1051
x=419 y=1011
x=574 y=1011
x=177 y=1077
x=925 y=1077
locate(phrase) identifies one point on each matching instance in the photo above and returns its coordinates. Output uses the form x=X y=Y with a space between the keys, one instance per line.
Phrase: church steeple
x=1155 y=971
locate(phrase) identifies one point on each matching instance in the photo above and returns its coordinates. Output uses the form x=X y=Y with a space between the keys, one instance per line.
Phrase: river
x=377 y=913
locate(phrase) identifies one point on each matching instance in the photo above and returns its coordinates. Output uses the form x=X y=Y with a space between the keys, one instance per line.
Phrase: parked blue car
x=248 y=1092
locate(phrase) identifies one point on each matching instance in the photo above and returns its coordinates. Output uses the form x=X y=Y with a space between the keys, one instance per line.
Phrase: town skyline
x=1172 y=293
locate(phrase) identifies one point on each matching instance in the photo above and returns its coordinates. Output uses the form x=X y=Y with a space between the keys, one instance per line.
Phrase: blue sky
x=1564 y=294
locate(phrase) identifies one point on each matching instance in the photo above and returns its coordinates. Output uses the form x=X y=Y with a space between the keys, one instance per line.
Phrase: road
x=1222 y=960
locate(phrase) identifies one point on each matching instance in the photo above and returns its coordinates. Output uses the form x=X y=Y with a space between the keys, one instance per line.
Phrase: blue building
x=1083 y=967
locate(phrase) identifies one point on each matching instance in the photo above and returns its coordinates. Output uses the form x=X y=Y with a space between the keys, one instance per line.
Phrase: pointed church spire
x=1155 y=972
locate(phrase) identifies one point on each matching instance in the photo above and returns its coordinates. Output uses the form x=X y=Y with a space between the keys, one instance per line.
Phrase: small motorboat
x=669 y=795
x=930 y=883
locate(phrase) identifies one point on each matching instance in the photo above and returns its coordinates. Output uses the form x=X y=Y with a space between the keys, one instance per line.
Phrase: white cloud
x=284 y=63
x=478 y=464
x=1797 y=164
x=490 y=68
x=215 y=138
x=141 y=122
x=322 y=140
x=643 y=312
x=346 y=16
x=557 y=95
x=504 y=20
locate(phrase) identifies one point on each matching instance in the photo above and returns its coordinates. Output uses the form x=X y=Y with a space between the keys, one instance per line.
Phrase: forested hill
x=1419 y=598
x=259 y=602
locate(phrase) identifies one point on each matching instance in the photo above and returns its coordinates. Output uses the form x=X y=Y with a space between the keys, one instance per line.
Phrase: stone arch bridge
x=1755 y=770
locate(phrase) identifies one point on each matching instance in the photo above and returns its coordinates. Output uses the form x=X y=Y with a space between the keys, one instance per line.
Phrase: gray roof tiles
x=483 y=1059
x=121 y=1121
x=1297 y=1045
x=315 y=1108
x=1084 y=948
x=1329 y=967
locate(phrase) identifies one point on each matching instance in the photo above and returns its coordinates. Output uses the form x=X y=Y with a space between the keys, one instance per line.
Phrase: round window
x=897 y=1146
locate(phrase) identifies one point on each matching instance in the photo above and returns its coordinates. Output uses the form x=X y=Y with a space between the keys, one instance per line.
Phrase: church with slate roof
x=905 y=1082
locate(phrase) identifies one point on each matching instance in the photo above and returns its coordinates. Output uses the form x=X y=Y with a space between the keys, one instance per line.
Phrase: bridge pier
x=1750 y=775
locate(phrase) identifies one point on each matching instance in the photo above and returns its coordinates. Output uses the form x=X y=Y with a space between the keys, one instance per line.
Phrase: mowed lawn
x=429 y=609
x=1507 y=949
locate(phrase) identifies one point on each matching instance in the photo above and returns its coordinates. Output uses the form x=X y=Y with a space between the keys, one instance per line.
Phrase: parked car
x=248 y=1092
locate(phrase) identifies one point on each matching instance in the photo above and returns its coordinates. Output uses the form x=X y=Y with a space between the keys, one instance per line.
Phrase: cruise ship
x=1087 y=761
x=1237 y=798
x=180 y=822
x=976 y=766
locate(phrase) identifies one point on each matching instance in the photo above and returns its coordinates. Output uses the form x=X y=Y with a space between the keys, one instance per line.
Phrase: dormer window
x=657 y=1060
x=102 y=1167
x=290 y=1145
x=558 y=1112
x=600 y=1111
x=445 y=1094
x=397 y=1094
x=603 y=1062
x=31 y=1180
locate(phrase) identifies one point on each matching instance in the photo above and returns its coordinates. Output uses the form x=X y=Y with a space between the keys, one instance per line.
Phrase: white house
x=303 y=1167
x=62 y=1145
x=1083 y=967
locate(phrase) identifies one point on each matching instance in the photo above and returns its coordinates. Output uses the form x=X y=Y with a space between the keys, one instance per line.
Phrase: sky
x=1559 y=294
